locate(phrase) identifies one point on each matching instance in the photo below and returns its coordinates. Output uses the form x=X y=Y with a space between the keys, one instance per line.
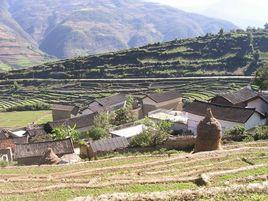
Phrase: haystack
x=209 y=134
x=50 y=158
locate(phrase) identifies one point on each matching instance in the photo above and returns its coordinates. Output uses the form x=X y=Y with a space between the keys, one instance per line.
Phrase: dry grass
x=140 y=174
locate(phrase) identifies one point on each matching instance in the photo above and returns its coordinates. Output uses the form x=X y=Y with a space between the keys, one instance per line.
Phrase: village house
x=30 y=154
x=228 y=116
x=171 y=100
x=237 y=98
x=259 y=102
x=60 y=112
x=80 y=123
x=178 y=119
x=108 y=104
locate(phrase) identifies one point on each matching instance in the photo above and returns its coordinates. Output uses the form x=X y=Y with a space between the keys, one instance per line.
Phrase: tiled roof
x=77 y=122
x=227 y=113
x=112 y=100
x=36 y=131
x=240 y=96
x=59 y=147
x=165 y=96
x=107 y=145
x=106 y=103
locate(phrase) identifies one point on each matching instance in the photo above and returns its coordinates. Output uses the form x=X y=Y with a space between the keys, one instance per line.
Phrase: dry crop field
x=239 y=172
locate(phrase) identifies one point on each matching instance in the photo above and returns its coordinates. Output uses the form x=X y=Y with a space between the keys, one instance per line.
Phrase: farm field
x=81 y=92
x=238 y=172
x=21 y=119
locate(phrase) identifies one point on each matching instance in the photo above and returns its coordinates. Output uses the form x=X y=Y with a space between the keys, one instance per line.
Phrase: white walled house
x=259 y=102
x=228 y=116
x=170 y=100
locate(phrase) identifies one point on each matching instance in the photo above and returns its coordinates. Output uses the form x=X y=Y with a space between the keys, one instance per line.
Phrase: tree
x=155 y=134
x=124 y=115
x=221 y=32
x=97 y=133
x=103 y=120
x=261 y=78
x=61 y=133
x=266 y=26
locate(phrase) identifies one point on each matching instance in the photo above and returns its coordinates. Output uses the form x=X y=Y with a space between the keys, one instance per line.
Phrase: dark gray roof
x=112 y=100
x=165 y=96
x=107 y=145
x=77 y=122
x=227 y=113
x=106 y=103
x=40 y=130
x=59 y=147
x=240 y=96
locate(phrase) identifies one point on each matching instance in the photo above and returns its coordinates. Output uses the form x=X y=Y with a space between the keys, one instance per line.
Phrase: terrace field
x=37 y=91
x=239 y=172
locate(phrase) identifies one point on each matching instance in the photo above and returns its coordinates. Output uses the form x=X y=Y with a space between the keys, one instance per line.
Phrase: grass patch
x=21 y=119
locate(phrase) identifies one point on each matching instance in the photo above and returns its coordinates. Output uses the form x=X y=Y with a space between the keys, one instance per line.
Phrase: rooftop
x=129 y=131
x=166 y=115
x=227 y=113
x=164 y=96
x=240 y=96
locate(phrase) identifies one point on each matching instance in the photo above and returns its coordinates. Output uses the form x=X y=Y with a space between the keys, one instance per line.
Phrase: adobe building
x=170 y=100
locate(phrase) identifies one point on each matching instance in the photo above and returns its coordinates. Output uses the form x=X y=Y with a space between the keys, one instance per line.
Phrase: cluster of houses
x=241 y=108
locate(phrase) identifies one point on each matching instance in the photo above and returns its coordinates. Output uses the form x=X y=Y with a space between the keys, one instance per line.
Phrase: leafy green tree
x=61 y=133
x=124 y=115
x=97 y=133
x=103 y=120
x=155 y=134
x=261 y=78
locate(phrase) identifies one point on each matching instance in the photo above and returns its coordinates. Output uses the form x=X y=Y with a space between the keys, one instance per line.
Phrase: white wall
x=194 y=120
x=259 y=104
x=254 y=120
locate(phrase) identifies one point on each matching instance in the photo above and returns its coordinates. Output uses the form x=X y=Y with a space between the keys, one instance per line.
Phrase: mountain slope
x=17 y=49
x=66 y=28
x=236 y=53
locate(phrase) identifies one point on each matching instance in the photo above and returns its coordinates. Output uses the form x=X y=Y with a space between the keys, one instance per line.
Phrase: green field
x=21 y=119
x=170 y=175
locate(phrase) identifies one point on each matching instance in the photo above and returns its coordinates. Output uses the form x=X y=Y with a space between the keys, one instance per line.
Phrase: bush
x=97 y=133
x=261 y=133
x=155 y=134
x=3 y=164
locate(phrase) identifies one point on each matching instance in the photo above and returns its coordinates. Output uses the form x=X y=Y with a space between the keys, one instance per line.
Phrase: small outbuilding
x=110 y=103
x=170 y=100
x=60 y=112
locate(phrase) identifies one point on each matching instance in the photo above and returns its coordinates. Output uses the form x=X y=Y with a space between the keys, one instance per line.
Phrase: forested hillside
x=236 y=53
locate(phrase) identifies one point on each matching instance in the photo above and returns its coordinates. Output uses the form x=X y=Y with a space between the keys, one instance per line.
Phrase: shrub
x=97 y=133
x=103 y=120
x=3 y=164
x=155 y=134
x=261 y=133
x=236 y=134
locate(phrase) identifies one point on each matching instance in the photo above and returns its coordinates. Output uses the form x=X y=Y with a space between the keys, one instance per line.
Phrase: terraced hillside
x=14 y=93
x=237 y=53
x=239 y=172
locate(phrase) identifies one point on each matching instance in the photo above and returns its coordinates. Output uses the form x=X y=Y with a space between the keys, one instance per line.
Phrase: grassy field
x=21 y=119
x=239 y=172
